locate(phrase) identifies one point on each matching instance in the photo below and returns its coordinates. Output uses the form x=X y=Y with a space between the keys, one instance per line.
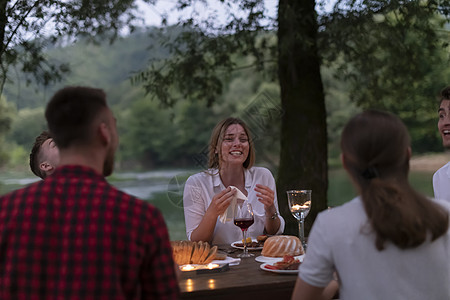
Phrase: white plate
x=228 y=260
x=248 y=248
x=272 y=260
x=263 y=267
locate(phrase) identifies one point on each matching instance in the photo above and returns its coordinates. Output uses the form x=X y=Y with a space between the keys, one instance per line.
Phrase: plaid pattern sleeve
x=74 y=236
x=158 y=273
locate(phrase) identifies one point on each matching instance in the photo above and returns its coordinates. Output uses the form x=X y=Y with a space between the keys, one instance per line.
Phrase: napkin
x=228 y=214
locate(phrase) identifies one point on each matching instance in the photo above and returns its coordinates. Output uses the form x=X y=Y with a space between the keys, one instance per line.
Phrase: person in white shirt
x=390 y=242
x=441 y=179
x=208 y=194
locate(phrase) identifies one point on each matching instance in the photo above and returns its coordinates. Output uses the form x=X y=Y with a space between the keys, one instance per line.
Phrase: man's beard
x=108 y=165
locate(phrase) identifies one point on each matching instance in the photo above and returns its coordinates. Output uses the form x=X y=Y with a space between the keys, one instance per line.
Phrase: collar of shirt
x=77 y=171
x=217 y=181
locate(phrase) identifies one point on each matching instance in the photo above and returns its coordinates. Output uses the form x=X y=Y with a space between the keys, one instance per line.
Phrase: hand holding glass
x=243 y=218
x=300 y=204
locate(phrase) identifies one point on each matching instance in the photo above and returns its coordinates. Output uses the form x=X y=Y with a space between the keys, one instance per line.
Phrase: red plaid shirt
x=74 y=236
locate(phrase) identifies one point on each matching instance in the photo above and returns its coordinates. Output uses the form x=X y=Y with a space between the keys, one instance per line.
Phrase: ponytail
x=376 y=150
x=399 y=214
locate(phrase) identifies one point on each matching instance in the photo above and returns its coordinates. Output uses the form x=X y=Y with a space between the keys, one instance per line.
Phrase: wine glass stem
x=244 y=236
x=301 y=231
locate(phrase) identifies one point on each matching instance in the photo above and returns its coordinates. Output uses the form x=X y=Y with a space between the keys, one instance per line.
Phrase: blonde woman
x=208 y=194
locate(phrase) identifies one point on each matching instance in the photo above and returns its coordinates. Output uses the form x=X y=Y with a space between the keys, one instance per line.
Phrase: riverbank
x=429 y=162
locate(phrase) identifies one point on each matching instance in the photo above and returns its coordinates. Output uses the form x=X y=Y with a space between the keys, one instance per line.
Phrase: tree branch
x=20 y=23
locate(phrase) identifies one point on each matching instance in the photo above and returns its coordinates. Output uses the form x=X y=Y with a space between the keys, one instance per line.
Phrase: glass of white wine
x=300 y=204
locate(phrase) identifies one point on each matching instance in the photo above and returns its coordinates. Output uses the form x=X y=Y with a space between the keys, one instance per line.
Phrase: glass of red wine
x=243 y=218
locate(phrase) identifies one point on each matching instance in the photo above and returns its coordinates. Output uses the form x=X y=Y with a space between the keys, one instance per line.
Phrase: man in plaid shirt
x=74 y=236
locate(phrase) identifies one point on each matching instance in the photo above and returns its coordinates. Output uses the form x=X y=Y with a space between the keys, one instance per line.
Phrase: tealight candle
x=187 y=268
x=212 y=266
x=298 y=206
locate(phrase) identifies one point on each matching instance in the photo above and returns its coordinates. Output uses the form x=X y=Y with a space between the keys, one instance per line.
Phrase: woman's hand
x=266 y=196
x=221 y=201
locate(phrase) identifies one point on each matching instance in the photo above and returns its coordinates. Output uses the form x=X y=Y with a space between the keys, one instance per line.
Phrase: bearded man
x=73 y=235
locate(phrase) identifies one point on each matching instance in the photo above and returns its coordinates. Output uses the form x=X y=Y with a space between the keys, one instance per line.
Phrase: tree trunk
x=3 y=23
x=303 y=157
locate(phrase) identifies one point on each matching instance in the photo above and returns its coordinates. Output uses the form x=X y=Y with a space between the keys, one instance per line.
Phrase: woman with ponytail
x=390 y=242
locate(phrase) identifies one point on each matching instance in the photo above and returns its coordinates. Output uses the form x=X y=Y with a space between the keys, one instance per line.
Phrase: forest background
x=153 y=136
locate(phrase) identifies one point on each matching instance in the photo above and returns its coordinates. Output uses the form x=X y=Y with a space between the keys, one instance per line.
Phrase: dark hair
x=70 y=114
x=375 y=149
x=35 y=154
x=445 y=94
x=217 y=138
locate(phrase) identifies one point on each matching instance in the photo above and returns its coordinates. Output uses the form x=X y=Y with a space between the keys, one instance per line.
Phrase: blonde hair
x=216 y=140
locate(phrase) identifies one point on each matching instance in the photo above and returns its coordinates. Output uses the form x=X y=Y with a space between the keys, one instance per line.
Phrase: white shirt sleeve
x=267 y=179
x=317 y=267
x=194 y=205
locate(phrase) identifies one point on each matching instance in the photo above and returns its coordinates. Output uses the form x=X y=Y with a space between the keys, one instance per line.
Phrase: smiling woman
x=207 y=195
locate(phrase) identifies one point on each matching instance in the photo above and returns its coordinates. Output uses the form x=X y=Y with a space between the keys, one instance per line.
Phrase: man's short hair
x=445 y=94
x=35 y=155
x=70 y=114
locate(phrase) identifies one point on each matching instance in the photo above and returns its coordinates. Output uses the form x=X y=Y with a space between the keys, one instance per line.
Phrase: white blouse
x=199 y=190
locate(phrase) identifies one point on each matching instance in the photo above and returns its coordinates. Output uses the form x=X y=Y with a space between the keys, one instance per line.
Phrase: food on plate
x=253 y=244
x=288 y=263
x=261 y=238
x=248 y=240
x=281 y=245
x=250 y=245
x=188 y=252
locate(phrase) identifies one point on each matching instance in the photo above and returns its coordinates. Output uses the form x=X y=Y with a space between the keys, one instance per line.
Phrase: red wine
x=244 y=223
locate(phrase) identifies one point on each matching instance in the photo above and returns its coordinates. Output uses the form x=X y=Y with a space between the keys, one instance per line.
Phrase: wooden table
x=244 y=281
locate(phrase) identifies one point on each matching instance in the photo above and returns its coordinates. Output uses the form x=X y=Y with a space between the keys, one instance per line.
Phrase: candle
x=211 y=284
x=299 y=207
x=209 y=266
x=187 y=268
x=212 y=266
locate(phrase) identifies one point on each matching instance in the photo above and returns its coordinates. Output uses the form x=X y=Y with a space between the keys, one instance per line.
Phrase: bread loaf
x=280 y=245
x=187 y=252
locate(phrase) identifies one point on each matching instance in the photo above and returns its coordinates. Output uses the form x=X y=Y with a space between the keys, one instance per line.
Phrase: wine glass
x=243 y=218
x=300 y=204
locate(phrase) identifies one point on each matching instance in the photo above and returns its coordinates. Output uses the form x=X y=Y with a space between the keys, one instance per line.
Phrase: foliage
x=204 y=53
x=28 y=28
x=27 y=124
x=179 y=135
x=389 y=53
x=19 y=156
x=6 y=117
x=104 y=65
x=109 y=66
